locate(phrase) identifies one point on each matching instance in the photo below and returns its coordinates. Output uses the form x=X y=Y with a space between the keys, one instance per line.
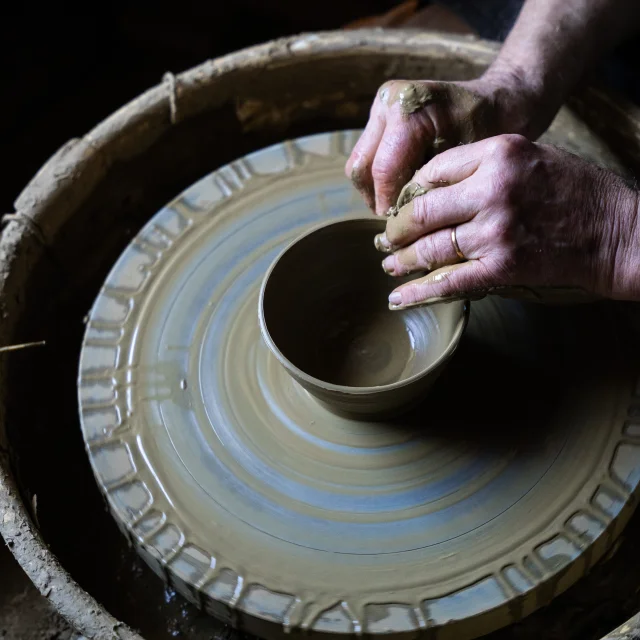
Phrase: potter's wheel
x=511 y=480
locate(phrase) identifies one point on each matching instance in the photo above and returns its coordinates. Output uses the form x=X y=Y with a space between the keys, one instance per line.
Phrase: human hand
x=411 y=121
x=525 y=215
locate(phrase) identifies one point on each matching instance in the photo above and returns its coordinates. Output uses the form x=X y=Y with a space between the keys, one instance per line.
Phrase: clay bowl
x=324 y=315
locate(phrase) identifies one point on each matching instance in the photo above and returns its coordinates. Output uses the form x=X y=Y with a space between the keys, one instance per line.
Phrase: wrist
x=519 y=99
x=623 y=240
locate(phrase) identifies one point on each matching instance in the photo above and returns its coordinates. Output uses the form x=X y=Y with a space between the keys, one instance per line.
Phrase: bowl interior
x=325 y=308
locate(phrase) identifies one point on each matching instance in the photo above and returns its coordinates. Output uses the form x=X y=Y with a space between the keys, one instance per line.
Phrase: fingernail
x=395 y=298
x=388 y=264
x=382 y=243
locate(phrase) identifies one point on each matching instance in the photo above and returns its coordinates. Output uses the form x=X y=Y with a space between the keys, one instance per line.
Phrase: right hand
x=412 y=120
x=527 y=217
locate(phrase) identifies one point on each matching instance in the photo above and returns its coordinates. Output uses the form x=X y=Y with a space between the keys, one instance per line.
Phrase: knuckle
x=414 y=293
x=503 y=187
x=425 y=252
x=420 y=210
x=510 y=146
x=385 y=90
x=433 y=171
x=430 y=173
x=383 y=170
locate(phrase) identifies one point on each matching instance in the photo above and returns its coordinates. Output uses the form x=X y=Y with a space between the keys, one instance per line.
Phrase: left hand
x=525 y=215
x=411 y=121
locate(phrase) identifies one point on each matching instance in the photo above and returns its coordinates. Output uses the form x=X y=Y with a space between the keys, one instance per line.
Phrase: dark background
x=62 y=74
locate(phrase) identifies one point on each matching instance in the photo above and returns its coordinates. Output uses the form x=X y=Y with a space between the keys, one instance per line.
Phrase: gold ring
x=454 y=240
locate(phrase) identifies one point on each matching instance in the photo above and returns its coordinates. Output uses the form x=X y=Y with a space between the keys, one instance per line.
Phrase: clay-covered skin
x=410 y=191
x=410 y=96
x=410 y=122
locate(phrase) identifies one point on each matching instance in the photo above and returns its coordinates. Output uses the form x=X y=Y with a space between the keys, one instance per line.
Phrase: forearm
x=622 y=206
x=551 y=46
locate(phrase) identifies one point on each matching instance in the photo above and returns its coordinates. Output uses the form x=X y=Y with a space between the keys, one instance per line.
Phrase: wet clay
x=358 y=174
x=410 y=191
x=458 y=115
x=275 y=514
x=411 y=96
x=364 y=349
x=339 y=330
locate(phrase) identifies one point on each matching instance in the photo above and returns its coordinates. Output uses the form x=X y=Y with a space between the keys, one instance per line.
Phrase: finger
x=369 y=138
x=437 y=209
x=454 y=165
x=402 y=150
x=433 y=251
x=459 y=280
x=360 y=163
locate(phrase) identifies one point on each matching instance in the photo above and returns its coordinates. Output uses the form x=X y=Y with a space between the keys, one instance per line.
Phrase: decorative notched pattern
x=144 y=511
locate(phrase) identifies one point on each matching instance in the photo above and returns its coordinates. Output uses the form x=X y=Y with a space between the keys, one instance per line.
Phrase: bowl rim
x=344 y=389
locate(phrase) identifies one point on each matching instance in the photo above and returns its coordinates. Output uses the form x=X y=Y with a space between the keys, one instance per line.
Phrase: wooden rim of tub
x=267 y=91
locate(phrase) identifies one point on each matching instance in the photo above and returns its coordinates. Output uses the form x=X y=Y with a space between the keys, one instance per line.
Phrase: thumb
x=464 y=280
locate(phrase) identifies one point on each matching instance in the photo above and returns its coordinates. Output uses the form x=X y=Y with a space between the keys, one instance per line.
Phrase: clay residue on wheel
x=340 y=503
